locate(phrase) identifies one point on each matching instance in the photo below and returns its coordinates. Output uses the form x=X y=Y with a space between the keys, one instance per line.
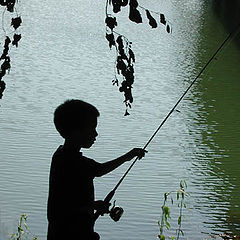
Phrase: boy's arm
x=111 y=165
x=97 y=205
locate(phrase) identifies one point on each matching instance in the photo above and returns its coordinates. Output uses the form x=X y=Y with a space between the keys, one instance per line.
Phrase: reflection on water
x=216 y=171
x=63 y=54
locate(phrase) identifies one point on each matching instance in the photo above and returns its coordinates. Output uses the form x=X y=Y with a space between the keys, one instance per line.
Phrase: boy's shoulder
x=69 y=161
x=62 y=154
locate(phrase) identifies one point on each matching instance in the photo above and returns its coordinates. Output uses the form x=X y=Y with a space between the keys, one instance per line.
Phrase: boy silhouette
x=71 y=203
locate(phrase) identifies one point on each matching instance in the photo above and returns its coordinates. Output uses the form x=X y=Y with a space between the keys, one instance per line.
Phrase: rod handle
x=107 y=199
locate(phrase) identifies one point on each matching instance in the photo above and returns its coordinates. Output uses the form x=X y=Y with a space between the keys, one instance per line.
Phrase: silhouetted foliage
x=162 y=19
x=125 y=57
x=152 y=21
x=16 y=22
x=8 y=5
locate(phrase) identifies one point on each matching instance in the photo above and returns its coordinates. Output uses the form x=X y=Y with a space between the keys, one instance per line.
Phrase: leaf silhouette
x=152 y=21
x=16 y=22
x=128 y=74
x=121 y=48
x=131 y=56
x=133 y=3
x=6 y=48
x=111 y=22
x=110 y=38
x=134 y=15
x=120 y=43
x=168 y=29
x=124 y=3
x=126 y=113
x=4 y=54
x=10 y=5
x=16 y=39
x=115 y=81
x=3 y=3
x=116 y=6
x=7 y=41
x=2 y=88
x=6 y=65
x=128 y=95
x=121 y=66
x=162 y=19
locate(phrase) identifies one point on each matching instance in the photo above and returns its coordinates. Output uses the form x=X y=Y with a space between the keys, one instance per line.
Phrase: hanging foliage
x=125 y=57
x=12 y=38
x=152 y=21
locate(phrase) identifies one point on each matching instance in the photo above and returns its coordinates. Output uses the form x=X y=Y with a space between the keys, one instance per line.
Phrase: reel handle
x=107 y=199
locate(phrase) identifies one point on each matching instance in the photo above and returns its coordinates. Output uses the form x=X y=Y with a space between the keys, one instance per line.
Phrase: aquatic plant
x=165 y=217
x=23 y=231
x=12 y=38
x=125 y=57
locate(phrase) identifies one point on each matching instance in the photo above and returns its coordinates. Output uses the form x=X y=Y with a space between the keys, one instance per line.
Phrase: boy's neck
x=71 y=145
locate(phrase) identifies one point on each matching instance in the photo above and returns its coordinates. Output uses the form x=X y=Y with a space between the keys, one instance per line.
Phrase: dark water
x=64 y=54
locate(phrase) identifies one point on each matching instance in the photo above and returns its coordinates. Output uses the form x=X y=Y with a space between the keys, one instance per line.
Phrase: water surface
x=63 y=54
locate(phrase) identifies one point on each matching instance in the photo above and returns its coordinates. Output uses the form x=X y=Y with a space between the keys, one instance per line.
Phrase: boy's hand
x=137 y=152
x=102 y=206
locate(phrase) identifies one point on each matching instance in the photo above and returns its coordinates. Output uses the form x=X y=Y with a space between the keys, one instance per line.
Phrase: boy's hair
x=73 y=114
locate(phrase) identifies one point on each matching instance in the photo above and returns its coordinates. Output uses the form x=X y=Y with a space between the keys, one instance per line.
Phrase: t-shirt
x=71 y=189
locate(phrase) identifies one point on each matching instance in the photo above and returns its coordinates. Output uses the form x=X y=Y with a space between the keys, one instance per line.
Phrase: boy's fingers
x=141 y=153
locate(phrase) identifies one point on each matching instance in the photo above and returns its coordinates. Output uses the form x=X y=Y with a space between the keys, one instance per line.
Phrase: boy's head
x=77 y=120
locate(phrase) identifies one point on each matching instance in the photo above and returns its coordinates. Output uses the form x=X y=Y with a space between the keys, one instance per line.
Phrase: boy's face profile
x=86 y=135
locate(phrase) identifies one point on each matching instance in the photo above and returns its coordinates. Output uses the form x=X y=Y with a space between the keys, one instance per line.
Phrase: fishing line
x=112 y=192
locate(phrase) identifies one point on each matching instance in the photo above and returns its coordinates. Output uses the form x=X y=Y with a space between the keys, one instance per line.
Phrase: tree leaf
x=126 y=113
x=165 y=196
x=116 y=6
x=179 y=220
x=2 y=88
x=162 y=19
x=10 y=5
x=134 y=15
x=110 y=38
x=168 y=225
x=3 y=3
x=131 y=56
x=16 y=22
x=177 y=195
x=120 y=43
x=7 y=41
x=121 y=48
x=128 y=74
x=111 y=22
x=168 y=29
x=133 y=3
x=128 y=95
x=162 y=237
x=16 y=39
x=6 y=64
x=124 y=3
x=121 y=66
x=152 y=21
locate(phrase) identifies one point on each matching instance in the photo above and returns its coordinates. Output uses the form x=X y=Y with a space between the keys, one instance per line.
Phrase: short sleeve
x=94 y=167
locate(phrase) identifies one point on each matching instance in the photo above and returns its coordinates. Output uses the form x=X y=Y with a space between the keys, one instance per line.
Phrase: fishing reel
x=116 y=212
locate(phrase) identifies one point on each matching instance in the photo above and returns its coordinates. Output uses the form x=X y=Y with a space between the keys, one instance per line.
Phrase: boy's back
x=71 y=192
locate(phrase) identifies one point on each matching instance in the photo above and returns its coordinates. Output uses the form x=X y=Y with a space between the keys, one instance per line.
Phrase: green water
x=218 y=93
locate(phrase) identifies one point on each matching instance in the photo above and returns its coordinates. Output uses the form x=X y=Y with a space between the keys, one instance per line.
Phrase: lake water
x=64 y=54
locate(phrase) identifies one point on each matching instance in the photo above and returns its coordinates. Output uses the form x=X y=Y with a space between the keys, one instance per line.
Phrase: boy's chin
x=87 y=145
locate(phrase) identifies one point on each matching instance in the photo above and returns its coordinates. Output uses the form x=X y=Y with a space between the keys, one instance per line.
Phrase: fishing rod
x=116 y=212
